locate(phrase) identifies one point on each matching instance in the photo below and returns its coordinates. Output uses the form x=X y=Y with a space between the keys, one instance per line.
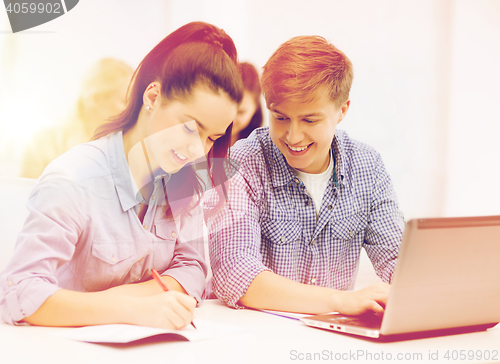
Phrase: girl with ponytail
x=105 y=214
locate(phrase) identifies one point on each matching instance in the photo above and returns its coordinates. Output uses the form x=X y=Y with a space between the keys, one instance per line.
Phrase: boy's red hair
x=303 y=66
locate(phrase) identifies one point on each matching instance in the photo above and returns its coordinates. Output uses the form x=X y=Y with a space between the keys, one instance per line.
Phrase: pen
x=162 y=284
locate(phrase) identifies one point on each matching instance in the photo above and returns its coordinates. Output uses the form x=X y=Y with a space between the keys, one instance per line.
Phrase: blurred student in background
x=102 y=95
x=249 y=115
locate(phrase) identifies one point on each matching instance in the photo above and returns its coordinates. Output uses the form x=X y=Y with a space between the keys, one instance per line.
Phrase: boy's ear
x=343 y=110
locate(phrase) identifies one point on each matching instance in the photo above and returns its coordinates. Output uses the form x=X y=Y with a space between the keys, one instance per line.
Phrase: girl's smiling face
x=179 y=131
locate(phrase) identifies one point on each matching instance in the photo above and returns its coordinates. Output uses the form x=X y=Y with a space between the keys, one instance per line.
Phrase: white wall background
x=425 y=91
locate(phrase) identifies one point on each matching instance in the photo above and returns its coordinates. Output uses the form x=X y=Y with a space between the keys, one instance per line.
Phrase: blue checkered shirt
x=269 y=221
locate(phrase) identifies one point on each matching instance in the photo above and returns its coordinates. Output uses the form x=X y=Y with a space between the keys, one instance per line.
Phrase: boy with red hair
x=307 y=198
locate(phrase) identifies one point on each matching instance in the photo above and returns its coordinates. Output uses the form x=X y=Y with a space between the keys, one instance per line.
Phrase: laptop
x=446 y=281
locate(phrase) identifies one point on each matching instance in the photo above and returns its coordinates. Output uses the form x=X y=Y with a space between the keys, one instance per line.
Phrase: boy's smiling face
x=303 y=132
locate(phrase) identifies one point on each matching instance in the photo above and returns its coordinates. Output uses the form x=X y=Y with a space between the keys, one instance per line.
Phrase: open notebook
x=123 y=334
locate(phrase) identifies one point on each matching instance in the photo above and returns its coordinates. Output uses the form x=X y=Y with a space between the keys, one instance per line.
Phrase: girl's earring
x=148 y=108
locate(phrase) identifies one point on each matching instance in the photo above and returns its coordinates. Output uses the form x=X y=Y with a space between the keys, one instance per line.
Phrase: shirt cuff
x=191 y=278
x=389 y=271
x=231 y=289
x=25 y=299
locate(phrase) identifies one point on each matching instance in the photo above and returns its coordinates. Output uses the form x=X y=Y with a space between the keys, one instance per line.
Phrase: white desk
x=267 y=339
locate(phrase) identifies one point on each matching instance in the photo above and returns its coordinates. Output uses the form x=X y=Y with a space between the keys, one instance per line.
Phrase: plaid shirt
x=269 y=221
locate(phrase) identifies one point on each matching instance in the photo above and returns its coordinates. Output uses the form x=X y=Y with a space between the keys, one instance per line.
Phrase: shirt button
x=350 y=234
x=153 y=197
x=9 y=283
x=296 y=180
x=140 y=260
x=145 y=227
x=282 y=239
x=313 y=242
x=307 y=203
x=173 y=234
x=330 y=207
x=313 y=280
x=113 y=259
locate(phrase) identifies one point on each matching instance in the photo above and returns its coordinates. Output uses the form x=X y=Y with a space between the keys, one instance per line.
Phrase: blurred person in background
x=249 y=115
x=102 y=95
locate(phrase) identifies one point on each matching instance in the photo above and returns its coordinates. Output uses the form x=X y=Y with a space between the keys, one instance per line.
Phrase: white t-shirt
x=316 y=184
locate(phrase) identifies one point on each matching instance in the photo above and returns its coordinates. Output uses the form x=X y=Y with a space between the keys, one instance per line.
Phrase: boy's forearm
x=271 y=291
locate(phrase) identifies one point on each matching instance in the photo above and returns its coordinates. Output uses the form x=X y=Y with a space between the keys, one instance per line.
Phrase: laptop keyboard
x=369 y=321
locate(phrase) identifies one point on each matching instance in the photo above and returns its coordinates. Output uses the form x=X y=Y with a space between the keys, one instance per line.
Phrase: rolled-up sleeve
x=46 y=242
x=188 y=265
x=234 y=239
x=386 y=225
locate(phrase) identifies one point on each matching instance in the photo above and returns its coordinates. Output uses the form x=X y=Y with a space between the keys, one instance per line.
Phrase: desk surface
x=266 y=339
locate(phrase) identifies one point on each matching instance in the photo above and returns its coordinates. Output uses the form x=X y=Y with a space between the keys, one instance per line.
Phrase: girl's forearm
x=115 y=305
x=71 y=308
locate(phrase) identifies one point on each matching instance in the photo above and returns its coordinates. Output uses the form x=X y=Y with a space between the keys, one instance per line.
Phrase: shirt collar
x=135 y=189
x=339 y=155
x=281 y=172
x=120 y=171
